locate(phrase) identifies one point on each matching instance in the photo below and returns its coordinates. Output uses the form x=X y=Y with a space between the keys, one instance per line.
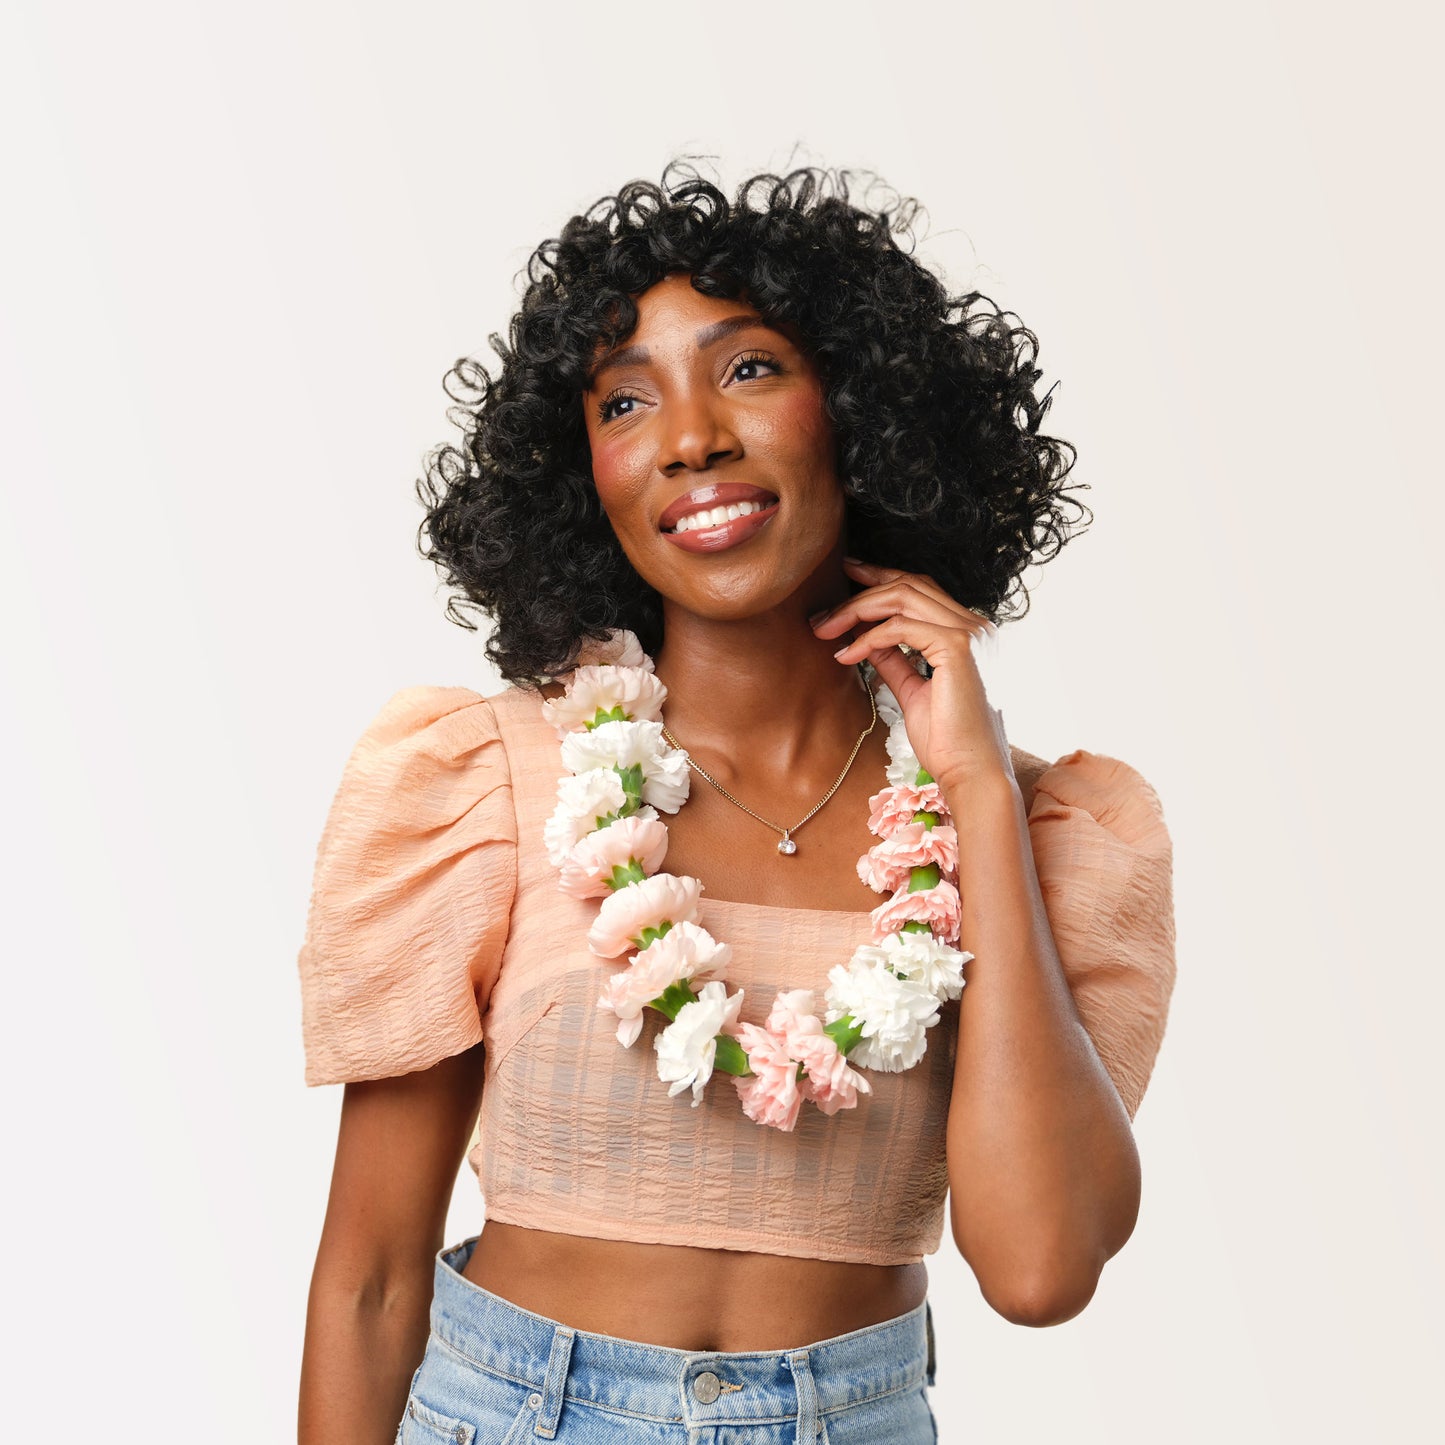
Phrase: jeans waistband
x=657 y=1382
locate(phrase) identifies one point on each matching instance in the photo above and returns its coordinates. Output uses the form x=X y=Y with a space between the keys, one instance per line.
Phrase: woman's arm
x=400 y=1146
x=1043 y=1171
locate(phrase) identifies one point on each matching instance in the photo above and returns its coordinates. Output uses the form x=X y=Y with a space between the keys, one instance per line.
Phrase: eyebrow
x=709 y=335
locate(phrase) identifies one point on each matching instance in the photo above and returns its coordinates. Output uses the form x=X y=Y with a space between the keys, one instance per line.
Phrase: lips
x=706 y=499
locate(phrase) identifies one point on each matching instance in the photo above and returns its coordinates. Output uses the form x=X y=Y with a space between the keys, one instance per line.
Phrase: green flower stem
x=673 y=998
x=923 y=779
x=625 y=873
x=926 y=818
x=845 y=1032
x=731 y=1057
x=651 y=935
x=632 y=786
x=915 y=925
x=607 y=715
x=925 y=877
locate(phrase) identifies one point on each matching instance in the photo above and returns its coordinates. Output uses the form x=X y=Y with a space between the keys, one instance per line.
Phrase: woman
x=745 y=501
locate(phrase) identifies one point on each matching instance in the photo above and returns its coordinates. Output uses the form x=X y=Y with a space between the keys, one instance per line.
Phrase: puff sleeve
x=1104 y=860
x=413 y=886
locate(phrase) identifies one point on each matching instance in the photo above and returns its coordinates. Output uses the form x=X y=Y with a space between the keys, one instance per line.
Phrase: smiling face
x=713 y=455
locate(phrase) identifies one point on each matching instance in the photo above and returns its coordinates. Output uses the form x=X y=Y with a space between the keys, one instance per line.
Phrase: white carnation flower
x=687 y=1047
x=581 y=800
x=888 y=708
x=921 y=957
x=895 y=1013
x=903 y=767
x=625 y=745
x=601 y=689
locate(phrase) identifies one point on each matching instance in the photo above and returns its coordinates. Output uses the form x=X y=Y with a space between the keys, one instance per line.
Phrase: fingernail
x=841 y=651
x=856 y=561
x=818 y=616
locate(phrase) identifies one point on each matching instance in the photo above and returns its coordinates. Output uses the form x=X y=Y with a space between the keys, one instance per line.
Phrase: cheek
x=803 y=432
x=616 y=478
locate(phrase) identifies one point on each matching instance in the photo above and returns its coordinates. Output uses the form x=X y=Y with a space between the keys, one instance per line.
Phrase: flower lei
x=607 y=839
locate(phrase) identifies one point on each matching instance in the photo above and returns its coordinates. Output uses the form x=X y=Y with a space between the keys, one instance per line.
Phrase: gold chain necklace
x=787 y=847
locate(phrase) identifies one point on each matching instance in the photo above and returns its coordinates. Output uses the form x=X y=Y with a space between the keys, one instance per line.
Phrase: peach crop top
x=435 y=922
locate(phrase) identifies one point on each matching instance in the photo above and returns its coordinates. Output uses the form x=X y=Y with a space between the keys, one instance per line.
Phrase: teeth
x=716 y=516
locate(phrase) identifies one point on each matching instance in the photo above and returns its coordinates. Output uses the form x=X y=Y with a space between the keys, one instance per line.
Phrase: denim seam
x=674 y=1419
x=868 y=1399
x=451 y=1349
x=430 y=1418
x=671 y=1419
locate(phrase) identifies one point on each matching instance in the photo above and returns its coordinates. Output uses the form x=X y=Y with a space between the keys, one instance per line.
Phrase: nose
x=696 y=435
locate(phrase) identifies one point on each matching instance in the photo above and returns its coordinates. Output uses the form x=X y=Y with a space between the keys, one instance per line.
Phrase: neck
x=766 y=679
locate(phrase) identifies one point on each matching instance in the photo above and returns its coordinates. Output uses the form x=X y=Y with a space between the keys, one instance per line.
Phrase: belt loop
x=554 y=1387
x=928 y=1323
x=807 y=1398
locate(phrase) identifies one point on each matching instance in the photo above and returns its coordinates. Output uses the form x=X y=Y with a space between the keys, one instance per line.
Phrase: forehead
x=671 y=313
x=676 y=293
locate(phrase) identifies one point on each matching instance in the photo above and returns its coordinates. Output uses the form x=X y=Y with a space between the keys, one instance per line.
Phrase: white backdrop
x=243 y=244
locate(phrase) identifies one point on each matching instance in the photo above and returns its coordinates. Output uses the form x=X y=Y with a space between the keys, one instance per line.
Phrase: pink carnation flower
x=587 y=869
x=619 y=648
x=625 y=913
x=830 y=1083
x=602 y=688
x=685 y=951
x=794 y=1035
x=792 y=1010
x=938 y=907
x=894 y=807
x=887 y=865
x=771 y=1096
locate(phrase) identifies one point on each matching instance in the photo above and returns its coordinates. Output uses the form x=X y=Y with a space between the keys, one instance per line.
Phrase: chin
x=737 y=582
x=737 y=598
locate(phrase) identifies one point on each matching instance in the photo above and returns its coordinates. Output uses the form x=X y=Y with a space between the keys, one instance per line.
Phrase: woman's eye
x=605 y=410
x=749 y=364
x=745 y=368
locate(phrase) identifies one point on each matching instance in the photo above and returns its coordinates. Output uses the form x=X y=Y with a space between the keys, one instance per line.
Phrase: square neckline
x=782 y=907
x=539 y=722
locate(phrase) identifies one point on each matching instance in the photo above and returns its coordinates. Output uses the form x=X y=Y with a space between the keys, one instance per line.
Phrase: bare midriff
x=688 y=1298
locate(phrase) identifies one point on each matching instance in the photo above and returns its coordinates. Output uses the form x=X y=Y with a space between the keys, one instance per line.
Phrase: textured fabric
x=1105 y=865
x=493 y=1372
x=436 y=920
x=413 y=884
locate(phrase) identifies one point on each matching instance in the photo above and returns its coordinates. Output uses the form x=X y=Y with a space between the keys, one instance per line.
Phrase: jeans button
x=707 y=1387
x=534 y=1402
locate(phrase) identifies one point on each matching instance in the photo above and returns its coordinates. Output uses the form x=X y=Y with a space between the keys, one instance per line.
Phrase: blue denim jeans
x=494 y=1374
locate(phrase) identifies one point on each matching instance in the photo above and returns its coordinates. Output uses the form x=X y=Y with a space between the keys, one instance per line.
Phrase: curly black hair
x=932 y=400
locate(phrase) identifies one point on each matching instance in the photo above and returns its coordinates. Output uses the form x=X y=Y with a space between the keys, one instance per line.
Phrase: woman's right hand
x=400 y=1146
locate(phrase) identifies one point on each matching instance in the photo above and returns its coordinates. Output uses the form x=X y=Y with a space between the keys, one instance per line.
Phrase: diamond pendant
x=787 y=846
